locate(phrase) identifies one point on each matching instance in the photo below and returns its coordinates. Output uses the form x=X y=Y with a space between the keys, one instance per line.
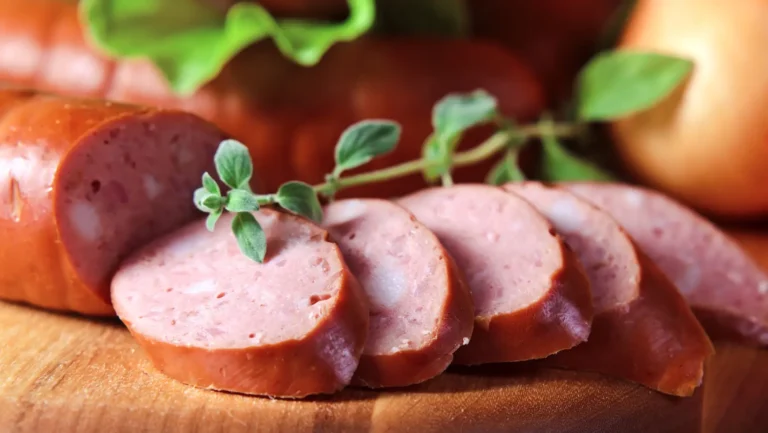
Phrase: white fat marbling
x=633 y=198
x=185 y=155
x=85 y=220
x=386 y=287
x=344 y=212
x=204 y=286
x=690 y=279
x=151 y=186
x=567 y=216
x=762 y=287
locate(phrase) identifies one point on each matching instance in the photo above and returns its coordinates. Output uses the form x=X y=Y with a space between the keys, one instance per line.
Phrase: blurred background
x=704 y=143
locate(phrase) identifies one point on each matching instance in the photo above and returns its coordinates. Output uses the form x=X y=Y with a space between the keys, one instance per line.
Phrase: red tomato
x=555 y=37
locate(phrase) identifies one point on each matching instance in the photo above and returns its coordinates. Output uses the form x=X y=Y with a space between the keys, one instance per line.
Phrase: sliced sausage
x=82 y=184
x=726 y=289
x=391 y=78
x=208 y=316
x=420 y=307
x=643 y=330
x=531 y=296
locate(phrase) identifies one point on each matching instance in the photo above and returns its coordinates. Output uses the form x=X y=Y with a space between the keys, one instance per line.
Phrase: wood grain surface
x=67 y=374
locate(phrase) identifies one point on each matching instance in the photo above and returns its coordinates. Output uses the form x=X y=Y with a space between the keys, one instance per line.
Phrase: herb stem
x=496 y=143
x=447 y=179
x=266 y=199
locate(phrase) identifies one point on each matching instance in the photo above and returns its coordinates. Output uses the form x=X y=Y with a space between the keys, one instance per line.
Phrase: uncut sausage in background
x=273 y=105
x=84 y=183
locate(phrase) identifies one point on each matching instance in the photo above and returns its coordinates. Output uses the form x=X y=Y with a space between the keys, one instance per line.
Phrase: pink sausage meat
x=531 y=296
x=420 y=309
x=208 y=316
x=724 y=286
x=642 y=331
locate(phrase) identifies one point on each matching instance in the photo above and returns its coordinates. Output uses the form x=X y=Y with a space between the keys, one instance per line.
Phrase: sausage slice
x=726 y=289
x=208 y=316
x=420 y=308
x=531 y=296
x=82 y=184
x=643 y=330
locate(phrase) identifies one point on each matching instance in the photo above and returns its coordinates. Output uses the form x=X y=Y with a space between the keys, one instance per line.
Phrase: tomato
x=555 y=37
x=290 y=116
x=401 y=80
x=706 y=144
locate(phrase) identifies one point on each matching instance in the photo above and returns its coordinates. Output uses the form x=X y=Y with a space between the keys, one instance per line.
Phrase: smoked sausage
x=420 y=308
x=726 y=289
x=532 y=298
x=82 y=184
x=272 y=104
x=208 y=316
x=643 y=330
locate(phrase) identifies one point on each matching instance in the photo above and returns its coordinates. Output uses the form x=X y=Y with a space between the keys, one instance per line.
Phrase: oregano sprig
x=650 y=78
x=451 y=117
x=358 y=145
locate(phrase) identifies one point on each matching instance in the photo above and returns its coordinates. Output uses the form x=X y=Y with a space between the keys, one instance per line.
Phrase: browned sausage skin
x=726 y=289
x=84 y=183
x=531 y=296
x=273 y=105
x=421 y=310
x=642 y=331
x=208 y=316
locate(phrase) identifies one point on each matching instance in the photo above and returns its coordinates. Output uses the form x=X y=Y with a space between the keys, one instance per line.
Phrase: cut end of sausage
x=420 y=313
x=126 y=183
x=711 y=271
x=292 y=326
x=642 y=331
x=604 y=250
x=531 y=296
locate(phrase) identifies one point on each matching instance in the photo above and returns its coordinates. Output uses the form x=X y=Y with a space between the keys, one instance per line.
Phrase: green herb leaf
x=210 y=184
x=364 y=141
x=437 y=156
x=190 y=42
x=507 y=170
x=210 y=222
x=233 y=163
x=301 y=199
x=212 y=202
x=443 y=18
x=616 y=84
x=560 y=165
x=457 y=113
x=239 y=200
x=250 y=236
x=451 y=116
x=198 y=197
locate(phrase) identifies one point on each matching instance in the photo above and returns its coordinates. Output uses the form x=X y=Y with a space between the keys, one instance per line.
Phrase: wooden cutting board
x=67 y=374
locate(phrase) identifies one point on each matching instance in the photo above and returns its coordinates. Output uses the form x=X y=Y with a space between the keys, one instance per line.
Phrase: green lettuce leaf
x=190 y=43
